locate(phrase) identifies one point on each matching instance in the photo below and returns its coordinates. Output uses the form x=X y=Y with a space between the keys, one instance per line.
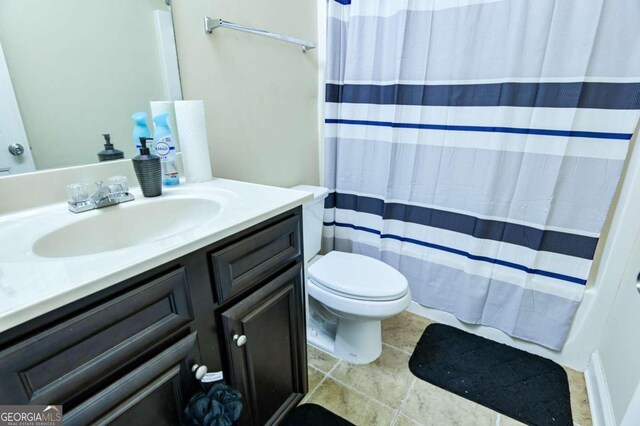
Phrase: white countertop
x=31 y=285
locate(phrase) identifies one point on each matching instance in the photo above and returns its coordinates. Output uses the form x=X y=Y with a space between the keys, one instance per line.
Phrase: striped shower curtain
x=476 y=145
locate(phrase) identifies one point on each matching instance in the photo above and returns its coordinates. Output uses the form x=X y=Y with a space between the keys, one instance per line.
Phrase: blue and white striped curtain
x=476 y=146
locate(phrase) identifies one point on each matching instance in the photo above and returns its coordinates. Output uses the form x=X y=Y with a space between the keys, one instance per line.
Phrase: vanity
x=111 y=312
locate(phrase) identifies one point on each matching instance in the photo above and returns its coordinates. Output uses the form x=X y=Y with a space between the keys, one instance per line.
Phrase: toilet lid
x=358 y=276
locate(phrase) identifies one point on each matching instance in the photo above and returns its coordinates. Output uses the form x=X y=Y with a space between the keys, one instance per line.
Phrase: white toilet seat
x=359 y=277
x=358 y=308
x=355 y=297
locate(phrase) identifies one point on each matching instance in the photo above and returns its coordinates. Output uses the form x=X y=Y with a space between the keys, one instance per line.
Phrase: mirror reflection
x=72 y=70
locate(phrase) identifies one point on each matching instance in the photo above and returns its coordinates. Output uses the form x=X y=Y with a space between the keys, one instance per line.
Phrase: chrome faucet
x=116 y=192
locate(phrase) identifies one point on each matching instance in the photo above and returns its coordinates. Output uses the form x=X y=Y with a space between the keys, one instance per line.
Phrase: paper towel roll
x=160 y=107
x=192 y=130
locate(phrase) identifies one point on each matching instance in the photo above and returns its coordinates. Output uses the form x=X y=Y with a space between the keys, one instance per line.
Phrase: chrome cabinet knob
x=240 y=340
x=199 y=371
x=16 y=149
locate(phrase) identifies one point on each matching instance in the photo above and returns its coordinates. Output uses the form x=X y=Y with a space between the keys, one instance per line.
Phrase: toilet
x=348 y=295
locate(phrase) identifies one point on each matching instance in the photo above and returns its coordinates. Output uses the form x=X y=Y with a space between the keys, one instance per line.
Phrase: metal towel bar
x=211 y=24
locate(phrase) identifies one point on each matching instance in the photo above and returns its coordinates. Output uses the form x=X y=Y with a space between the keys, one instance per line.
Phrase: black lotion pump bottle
x=148 y=170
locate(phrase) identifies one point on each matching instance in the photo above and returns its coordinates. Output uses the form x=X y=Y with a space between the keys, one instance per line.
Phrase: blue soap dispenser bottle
x=165 y=148
x=141 y=130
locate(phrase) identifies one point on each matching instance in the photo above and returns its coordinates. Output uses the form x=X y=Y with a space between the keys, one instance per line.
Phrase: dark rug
x=312 y=415
x=526 y=387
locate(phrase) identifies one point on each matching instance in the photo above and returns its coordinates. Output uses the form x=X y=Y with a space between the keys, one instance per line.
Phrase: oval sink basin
x=126 y=225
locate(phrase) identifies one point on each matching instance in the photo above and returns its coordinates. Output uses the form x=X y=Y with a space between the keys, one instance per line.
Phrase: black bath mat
x=526 y=387
x=314 y=415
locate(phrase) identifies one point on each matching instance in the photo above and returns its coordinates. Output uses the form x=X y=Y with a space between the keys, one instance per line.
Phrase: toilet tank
x=312 y=213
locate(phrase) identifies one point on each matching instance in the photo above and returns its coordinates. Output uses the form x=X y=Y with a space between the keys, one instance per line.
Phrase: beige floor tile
x=404 y=330
x=315 y=377
x=351 y=405
x=403 y=420
x=386 y=379
x=579 y=399
x=320 y=360
x=434 y=406
x=508 y=421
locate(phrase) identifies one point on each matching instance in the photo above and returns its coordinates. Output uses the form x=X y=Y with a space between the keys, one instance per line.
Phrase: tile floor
x=385 y=392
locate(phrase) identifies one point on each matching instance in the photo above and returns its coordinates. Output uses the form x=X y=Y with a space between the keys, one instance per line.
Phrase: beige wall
x=260 y=95
x=79 y=69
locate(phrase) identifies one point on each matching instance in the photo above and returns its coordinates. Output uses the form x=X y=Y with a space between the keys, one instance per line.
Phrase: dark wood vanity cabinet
x=124 y=355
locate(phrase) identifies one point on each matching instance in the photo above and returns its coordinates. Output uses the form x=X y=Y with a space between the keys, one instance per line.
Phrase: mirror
x=71 y=70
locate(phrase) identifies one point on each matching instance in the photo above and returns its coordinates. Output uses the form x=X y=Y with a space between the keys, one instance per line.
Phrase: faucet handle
x=78 y=192
x=120 y=181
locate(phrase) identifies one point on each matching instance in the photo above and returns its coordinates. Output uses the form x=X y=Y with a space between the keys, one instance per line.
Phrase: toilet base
x=357 y=341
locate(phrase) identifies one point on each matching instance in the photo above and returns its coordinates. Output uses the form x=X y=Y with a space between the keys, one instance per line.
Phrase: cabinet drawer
x=71 y=359
x=257 y=257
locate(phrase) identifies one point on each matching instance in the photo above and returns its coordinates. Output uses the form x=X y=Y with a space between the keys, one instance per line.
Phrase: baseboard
x=598 y=392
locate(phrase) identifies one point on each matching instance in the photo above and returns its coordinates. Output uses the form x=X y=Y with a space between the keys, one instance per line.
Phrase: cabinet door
x=266 y=347
x=153 y=394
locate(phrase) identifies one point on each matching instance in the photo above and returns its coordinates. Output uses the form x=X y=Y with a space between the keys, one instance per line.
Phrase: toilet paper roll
x=160 y=107
x=192 y=130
